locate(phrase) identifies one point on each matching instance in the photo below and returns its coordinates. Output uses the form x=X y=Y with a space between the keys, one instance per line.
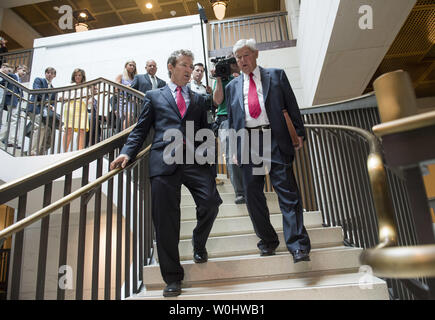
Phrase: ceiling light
x=149 y=5
x=219 y=8
x=83 y=15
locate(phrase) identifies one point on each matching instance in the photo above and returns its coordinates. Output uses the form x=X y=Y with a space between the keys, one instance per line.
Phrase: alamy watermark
x=366 y=20
x=66 y=20
x=366 y=277
x=66 y=280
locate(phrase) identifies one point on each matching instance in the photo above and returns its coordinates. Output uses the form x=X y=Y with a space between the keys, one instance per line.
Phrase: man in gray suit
x=148 y=81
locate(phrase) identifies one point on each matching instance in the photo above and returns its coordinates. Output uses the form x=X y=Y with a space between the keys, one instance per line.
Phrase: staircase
x=235 y=269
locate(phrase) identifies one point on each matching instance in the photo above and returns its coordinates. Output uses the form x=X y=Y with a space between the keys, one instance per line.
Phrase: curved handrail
x=378 y=181
x=69 y=87
x=386 y=259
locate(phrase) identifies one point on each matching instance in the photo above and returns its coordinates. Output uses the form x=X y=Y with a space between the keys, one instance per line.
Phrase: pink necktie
x=253 y=103
x=180 y=102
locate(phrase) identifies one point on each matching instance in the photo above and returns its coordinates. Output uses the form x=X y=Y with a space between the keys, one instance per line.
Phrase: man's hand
x=120 y=161
x=208 y=89
x=301 y=143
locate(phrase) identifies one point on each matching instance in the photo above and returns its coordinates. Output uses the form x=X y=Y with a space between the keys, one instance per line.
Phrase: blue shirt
x=184 y=91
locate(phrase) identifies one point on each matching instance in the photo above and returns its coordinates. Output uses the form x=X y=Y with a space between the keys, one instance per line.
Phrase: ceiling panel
x=135 y=16
x=166 y=9
x=29 y=14
x=47 y=29
x=94 y=6
x=413 y=50
x=268 y=6
x=107 y=20
x=123 y=4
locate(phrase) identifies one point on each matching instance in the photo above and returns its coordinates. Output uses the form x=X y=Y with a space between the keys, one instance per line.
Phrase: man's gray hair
x=250 y=43
x=176 y=54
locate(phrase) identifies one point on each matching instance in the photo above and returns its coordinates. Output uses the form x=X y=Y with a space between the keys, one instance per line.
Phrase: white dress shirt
x=184 y=92
x=262 y=119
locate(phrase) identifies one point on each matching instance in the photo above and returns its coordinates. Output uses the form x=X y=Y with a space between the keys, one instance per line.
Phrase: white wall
x=103 y=52
x=316 y=21
x=287 y=59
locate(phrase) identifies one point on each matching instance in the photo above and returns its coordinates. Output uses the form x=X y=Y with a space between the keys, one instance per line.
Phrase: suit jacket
x=40 y=99
x=10 y=99
x=160 y=112
x=142 y=82
x=277 y=94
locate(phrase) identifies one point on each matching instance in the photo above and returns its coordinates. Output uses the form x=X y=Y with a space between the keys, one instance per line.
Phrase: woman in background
x=76 y=111
x=124 y=105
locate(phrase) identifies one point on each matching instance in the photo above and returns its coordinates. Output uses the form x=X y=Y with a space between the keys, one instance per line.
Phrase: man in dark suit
x=255 y=101
x=40 y=107
x=11 y=133
x=174 y=107
x=148 y=81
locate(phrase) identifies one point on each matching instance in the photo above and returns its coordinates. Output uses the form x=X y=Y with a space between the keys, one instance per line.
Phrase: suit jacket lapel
x=240 y=89
x=170 y=98
x=147 y=79
x=265 y=81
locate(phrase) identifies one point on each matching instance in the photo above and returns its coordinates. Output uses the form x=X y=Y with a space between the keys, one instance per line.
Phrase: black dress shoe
x=173 y=289
x=300 y=255
x=267 y=252
x=200 y=257
x=240 y=200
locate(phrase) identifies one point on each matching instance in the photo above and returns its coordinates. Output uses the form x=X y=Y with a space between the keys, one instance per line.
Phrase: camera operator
x=226 y=69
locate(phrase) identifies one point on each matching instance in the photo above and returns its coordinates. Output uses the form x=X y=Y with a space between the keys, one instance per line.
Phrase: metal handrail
x=378 y=181
x=386 y=259
x=251 y=17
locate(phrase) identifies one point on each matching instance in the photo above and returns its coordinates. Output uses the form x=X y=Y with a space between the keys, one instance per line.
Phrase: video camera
x=223 y=66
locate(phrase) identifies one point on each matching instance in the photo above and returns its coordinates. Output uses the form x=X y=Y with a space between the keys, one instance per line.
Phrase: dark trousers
x=166 y=197
x=290 y=202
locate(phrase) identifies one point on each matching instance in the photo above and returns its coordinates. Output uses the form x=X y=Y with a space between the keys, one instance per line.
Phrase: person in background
x=11 y=134
x=124 y=103
x=93 y=136
x=148 y=81
x=41 y=106
x=75 y=115
x=5 y=69
x=221 y=123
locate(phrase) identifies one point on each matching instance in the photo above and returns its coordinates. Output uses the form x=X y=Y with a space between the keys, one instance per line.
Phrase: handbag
x=291 y=128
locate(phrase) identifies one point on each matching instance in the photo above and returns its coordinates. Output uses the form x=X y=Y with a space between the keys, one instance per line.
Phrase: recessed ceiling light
x=173 y=13
x=149 y=5
x=83 y=15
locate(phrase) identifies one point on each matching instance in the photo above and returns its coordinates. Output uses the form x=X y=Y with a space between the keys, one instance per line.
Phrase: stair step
x=344 y=286
x=247 y=243
x=227 y=187
x=243 y=225
x=249 y=266
x=227 y=210
x=227 y=198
